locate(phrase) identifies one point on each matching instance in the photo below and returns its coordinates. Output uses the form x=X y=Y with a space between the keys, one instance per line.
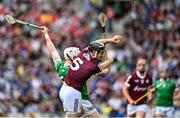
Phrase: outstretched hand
x=117 y=39
x=45 y=29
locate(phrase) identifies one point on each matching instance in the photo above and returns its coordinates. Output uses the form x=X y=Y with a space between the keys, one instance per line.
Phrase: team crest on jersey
x=137 y=81
x=87 y=56
x=147 y=81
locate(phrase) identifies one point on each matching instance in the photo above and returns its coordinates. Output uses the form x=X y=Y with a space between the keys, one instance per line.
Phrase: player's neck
x=164 y=79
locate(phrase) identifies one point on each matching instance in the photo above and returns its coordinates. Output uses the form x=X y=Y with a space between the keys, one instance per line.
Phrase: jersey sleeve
x=61 y=69
x=128 y=82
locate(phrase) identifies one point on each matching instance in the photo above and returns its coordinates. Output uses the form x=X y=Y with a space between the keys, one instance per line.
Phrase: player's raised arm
x=54 y=54
x=117 y=39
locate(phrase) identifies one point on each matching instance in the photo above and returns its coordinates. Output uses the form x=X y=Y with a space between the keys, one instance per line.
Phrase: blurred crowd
x=28 y=81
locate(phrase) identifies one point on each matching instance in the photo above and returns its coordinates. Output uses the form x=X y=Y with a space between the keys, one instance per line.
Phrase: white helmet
x=71 y=53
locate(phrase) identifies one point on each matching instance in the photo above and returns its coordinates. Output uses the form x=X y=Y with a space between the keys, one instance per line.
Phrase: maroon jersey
x=138 y=86
x=81 y=69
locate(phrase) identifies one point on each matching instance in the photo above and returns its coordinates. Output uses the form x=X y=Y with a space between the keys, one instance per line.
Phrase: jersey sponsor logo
x=137 y=88
x=77 y=63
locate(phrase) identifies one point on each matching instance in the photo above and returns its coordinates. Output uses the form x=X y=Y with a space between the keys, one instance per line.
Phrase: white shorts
x=71 y=99
x=88 y=107
x=131 y=109
x=165 y=111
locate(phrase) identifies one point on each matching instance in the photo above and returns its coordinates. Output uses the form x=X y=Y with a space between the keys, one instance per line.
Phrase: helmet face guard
x=71 y=52
x=95 y=47
x=94 y=54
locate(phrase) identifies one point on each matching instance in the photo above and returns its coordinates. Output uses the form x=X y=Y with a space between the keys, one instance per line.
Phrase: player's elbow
x=107 y=64
x=104 y=72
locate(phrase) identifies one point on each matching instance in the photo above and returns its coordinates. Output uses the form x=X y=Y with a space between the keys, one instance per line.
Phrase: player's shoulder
x=149 y=75
x=172 y=81
x=129 y=77
x=157 y=81
x=132 y=76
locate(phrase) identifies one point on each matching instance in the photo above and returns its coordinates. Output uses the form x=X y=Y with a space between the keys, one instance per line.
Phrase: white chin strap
x=69 y=57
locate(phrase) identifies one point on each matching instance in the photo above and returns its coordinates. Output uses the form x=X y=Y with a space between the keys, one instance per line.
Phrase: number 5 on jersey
x=77 y=63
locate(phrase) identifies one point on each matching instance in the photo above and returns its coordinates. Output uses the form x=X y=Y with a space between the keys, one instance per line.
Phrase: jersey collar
x=167 y=79
x=140 y=76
